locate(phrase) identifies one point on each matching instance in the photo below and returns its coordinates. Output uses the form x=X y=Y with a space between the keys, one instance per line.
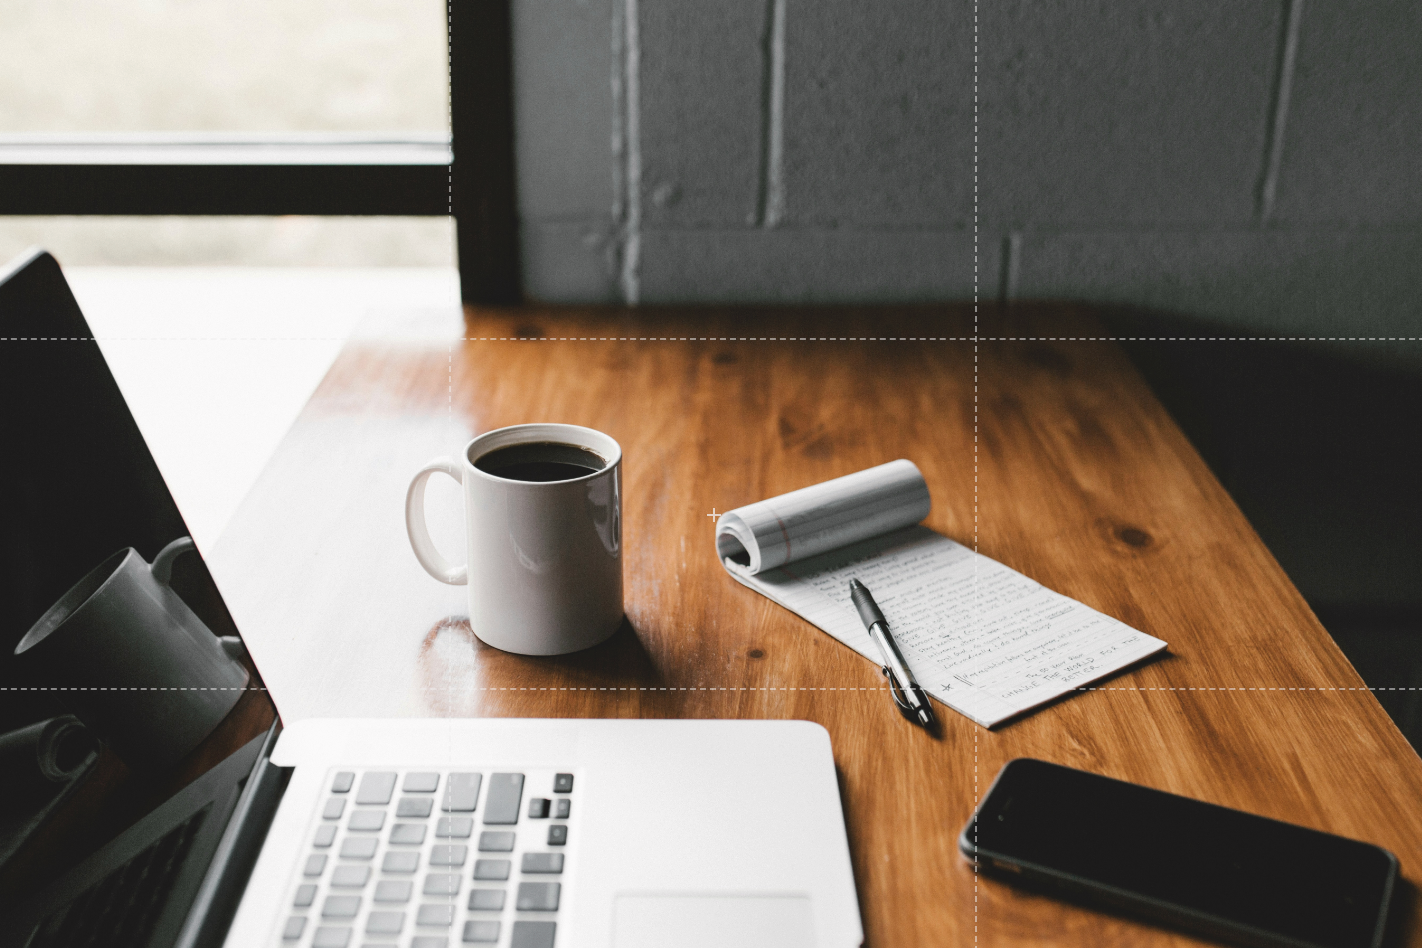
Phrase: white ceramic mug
x=544 y=565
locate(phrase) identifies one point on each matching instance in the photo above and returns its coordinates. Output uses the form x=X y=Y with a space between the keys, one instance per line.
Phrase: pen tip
x=855 y=584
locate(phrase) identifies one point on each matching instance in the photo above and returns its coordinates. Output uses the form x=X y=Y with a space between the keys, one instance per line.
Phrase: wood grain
x=1051 y=456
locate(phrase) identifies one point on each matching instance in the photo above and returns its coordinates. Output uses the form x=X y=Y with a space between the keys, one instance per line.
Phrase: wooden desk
x=1051 y=456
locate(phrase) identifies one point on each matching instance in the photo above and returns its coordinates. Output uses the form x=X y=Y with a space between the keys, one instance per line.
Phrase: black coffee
x=541 y=461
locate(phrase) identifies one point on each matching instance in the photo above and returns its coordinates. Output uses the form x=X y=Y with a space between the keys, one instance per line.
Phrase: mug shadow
x=461 y=676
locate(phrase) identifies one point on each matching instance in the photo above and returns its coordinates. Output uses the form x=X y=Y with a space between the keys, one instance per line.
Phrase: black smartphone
x=1205 y=868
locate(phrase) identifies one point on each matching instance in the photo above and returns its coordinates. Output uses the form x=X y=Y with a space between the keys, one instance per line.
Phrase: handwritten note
x=980 y=637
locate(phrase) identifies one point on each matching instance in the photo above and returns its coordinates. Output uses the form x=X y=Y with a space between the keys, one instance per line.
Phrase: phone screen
x=1194 y=858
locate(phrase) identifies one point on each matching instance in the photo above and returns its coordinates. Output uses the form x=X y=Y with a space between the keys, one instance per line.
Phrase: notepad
x=979 y=636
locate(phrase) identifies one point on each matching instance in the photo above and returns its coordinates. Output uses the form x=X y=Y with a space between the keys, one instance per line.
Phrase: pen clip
x=914 y=714
x=896 y=691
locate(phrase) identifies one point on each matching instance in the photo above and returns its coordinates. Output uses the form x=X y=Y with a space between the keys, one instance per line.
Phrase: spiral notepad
x=979 y=636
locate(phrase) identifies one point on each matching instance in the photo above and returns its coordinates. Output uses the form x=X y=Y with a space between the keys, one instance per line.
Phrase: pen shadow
x=1098 y=685
x=935 y=729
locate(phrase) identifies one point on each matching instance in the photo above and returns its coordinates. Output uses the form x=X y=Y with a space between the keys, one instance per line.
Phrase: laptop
x=422 y=833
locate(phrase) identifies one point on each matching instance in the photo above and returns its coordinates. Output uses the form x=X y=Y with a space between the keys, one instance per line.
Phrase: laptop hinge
x=226 y=878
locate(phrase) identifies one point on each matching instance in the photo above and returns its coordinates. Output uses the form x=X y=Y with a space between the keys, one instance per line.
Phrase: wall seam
x=1011 y=261
x=1278 y=113
x=770 y=196
x=618 y=135
x=630 y=231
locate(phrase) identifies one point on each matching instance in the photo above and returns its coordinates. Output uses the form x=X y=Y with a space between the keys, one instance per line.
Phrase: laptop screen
x=122 y=678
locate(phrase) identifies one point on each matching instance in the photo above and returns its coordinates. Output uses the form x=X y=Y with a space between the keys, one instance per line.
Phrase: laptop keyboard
x=121 y=910
x=429 y=859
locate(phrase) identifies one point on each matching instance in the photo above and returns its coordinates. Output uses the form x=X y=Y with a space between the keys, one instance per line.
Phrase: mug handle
x=434 y=563
x=162 y=572
x=162 y=568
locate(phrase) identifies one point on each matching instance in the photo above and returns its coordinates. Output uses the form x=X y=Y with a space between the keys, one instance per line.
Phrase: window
x=182 y=108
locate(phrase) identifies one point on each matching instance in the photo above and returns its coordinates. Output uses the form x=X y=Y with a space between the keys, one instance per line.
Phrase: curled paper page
x=814 y=520
x=980 y=637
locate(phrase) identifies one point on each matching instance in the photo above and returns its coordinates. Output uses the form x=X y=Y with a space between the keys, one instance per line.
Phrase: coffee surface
x=541 y=461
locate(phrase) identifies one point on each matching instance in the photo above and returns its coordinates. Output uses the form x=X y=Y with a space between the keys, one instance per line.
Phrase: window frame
x=469 y=174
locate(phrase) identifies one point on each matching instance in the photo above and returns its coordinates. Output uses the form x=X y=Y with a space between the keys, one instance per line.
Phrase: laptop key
x=461 y=792
x=341 y=783
x=325 y=835
x=537 y=897
x=293 y=928
x=496 y=841
x=562 y=783
x=340 y=906
x=315 y=865
x=420 y=783
x=475 y=932
x=392 y=890
x=538 y=808
x=551 y=863
x=331 y=936
x=401 y=862
x=366 y=820
x=335 y=806
x=454 y=827
x=441 y=883
x=505 y=793
x=350 y=877
x=407 y=834
x=305 y=895
x=563 y=808
x=429 y=941
x=532 y=934
x=452 y=855
x=358 y=847
x=376 y=786
x=413 y=807
x=442 y=915
x=384 y=923
x=557 y=835
x=486 y=900
x=492 y=869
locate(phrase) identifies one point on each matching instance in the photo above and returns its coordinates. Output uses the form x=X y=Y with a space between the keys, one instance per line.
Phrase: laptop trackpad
x=713 y=921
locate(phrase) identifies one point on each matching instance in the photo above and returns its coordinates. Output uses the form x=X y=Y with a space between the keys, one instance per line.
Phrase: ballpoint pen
x=907 y=695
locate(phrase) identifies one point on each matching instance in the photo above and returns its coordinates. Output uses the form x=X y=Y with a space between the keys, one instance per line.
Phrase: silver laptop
x=426 y=833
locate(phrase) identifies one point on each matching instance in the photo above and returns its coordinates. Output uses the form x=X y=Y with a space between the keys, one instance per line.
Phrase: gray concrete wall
x=1252 y=164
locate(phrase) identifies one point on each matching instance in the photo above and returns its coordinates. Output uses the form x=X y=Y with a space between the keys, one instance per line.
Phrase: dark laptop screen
x=119 y=644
